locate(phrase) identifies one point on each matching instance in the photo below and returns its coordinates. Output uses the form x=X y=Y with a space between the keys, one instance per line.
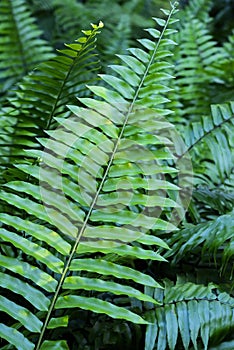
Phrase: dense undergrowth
x=117 y=177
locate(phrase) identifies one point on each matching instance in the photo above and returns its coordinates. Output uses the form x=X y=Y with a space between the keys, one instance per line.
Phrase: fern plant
x=110 y=207
x=95 y=178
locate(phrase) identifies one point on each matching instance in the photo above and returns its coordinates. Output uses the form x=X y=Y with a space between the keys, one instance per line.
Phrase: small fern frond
x=196 y=70
x=66 y=13
x=200 y=315
x=197 y=132
x=19 y=33
x=43 y=95
x=218 y=171
x=120 y=37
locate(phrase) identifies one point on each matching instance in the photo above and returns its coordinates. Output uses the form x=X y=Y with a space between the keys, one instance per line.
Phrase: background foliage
x=109 y=293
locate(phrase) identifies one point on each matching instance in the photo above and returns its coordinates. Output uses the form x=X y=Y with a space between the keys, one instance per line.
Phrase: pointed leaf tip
x=100 y=25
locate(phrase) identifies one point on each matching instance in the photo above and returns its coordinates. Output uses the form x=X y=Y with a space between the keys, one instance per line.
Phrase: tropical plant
x=97 y=250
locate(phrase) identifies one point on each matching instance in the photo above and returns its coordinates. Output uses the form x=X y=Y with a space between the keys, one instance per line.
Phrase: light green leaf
x=26 y=270
x=131 y=218
x=99 y=306
x=61 y=321
x=16 y=338
x=160 y=22
x=115 y=248
x=127 y=74
x=119 y=85
x=194 y=321
x=129 y=183
x=31 y=294
x=54 y=345
x=151 y=331
x=108 y=268
x=171 y=325
x=204 y=315
x=162 y=333
x=26 y=318
x=183 y=322
x=75 y=282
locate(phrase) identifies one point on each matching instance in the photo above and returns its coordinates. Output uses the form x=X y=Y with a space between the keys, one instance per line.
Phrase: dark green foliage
x=203 y=69
x=212 y=240
x=19 y=30
x=98 y=249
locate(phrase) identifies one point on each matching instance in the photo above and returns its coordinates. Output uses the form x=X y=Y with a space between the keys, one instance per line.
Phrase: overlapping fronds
x=20 y=38
x=197 y=9
x=43 y=95
x=210 y=143
x=121 y=23
x=211 y=240
x=101 y=175
x=215 y=198
x=202 y=66
x=190 y=315
x=226 y=67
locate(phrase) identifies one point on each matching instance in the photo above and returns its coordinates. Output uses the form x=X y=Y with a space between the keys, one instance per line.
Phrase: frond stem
x=79 y=235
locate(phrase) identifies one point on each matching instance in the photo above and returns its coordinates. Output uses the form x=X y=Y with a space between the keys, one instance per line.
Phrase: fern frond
x=213 y=239
x=196 y=70
x=218 y=199
x=226 y=67
x=211 y=148
x=196 y=132
x=66 y=13
x=114 y=146
x=20 y=35
x=43 y=95
x=122 y=22
x=196 y=9
x=120 y=37
x=200 y=315
x=218 y=172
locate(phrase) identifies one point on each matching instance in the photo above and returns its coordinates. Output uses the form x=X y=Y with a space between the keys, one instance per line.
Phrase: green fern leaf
x=101 y=142
x=196 y=66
